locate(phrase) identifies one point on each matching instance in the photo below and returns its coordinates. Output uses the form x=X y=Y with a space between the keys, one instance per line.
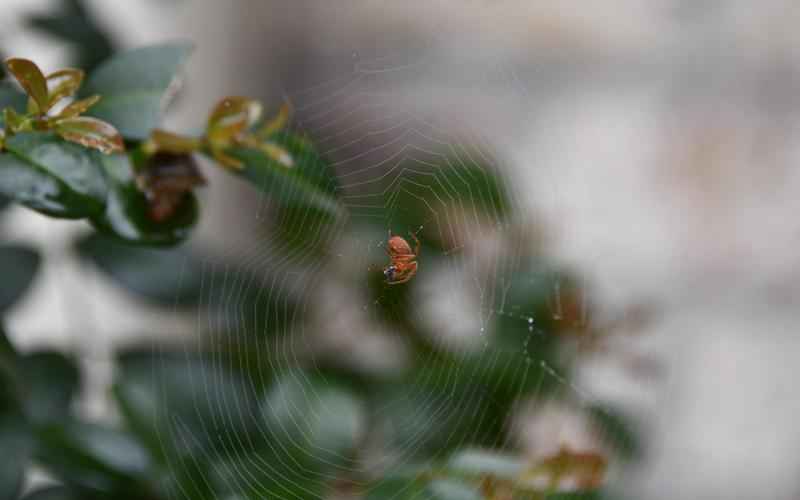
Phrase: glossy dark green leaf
x=180 y=404
x=310 y=182
x=17 y=447
x=53 y=493
x=94 y=458
x=18 y=267
x=126 y=215
x=134 y=85
x=49 y=175
x=167 y=276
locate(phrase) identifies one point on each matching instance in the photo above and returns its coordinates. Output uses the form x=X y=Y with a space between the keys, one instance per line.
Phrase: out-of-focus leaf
x=181 y=404
x=94 y=458
x=51 y=176
x=308 y=430
x=63 y=83
x=127 y=211
x=408 y=488
x=73 y=24
x=313 y=416
x=480 y=463
x=31 y=79
x=91 y=133
x=311 y=182
x=18 y=266
x=170 y=276
x=230 y=117
x=577 y=495
x=135 y=86
x=17 y=447
x=400 y=488
x=53 y=493
x=275 y=124
x=304 y=231
x=176 y=144
x=11 y=98
x=618 y=431
x=79 y=107
x=448 y=489
x=48 y=381
x=441 y=406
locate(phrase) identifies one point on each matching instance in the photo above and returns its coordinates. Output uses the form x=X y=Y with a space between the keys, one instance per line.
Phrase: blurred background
x=605 y=196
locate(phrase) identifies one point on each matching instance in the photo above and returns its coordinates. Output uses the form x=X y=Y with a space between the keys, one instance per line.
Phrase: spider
x=403 y=265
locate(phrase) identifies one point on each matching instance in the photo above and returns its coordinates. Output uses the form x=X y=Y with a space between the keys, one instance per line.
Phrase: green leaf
x=18 y=267
x=51 y=176
x=313 y=416
x=168 y=276
x=408 y=488
x=134 y=86
x=31 y=79
x=91 y=133
x=126 y=212
x=17 y=446
x=400 y=488
x=310 y=427
x=183 y=404
x=94 y=457
x=479 y=463
x=53 y=493
x=48 y=382
x=11 y=98
x=311 y=182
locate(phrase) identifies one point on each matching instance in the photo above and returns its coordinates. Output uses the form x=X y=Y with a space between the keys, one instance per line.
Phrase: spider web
x=402 y=165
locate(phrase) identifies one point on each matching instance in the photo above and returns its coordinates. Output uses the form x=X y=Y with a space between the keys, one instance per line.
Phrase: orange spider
x=403 y=266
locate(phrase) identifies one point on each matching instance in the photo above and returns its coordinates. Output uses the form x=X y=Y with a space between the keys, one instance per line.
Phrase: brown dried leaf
x=31 y=79
x=91 y=133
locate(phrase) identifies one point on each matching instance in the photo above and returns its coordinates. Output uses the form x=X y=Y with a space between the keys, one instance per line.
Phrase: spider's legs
x=416 y=249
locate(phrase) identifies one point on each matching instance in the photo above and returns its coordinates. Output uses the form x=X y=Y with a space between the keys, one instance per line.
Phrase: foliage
x=237 y=417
